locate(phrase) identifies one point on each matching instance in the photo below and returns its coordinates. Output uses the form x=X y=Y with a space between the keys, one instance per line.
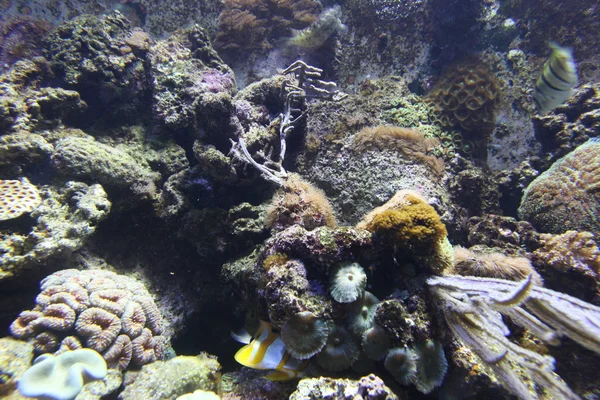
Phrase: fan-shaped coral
x=112 y=314
x=340 y=351
x=431 y=365
x=375 y=343
x=348 y=283
x=362 y=314
x=401 y=363
x=304 y=334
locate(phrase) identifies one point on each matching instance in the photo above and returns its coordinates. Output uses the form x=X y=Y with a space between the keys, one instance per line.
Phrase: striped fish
x=557 y=80
x=267 y=351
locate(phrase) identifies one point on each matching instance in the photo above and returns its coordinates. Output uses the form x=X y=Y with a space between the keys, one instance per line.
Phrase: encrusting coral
x=112 y=314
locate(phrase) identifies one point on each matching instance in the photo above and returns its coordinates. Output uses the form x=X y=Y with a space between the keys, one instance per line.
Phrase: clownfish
x=267 y=351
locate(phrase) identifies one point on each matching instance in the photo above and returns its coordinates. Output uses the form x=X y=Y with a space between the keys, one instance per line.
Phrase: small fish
x=267 y=351
x=557 y=80
x=316 y=34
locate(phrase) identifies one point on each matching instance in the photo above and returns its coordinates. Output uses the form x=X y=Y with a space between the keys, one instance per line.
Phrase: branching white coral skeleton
x=305 y=83
x=473 y=308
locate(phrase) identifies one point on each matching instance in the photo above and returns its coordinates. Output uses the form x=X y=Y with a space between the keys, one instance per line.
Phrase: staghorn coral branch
x=304 y=84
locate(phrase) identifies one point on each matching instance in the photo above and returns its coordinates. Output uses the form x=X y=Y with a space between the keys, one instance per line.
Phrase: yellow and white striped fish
x=267 y=351
x=557 y=80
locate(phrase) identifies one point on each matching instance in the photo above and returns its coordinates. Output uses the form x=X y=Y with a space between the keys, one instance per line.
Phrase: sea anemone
x=493 y=265
x=431 y=366
x=362 y=315
x=401 y=363
x=348 y=283
x=375 y=342
x=304 y=334
x=363 y=365
x=340 y=351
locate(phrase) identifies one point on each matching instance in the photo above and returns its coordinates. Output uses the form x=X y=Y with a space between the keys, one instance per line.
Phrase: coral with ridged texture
x=467 y=96
x=112 y=314
x=565 y=197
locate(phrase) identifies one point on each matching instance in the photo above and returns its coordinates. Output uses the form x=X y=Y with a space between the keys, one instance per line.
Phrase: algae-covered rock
x=95 y=55
x=192 y=85
x=64 y=221
x=369 y=387
x=15 y=359
x=23 y=148
x=169 y=379
x=83 y=157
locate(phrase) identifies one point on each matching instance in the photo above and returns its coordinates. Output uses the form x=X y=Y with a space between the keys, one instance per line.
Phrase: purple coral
x=112 y=314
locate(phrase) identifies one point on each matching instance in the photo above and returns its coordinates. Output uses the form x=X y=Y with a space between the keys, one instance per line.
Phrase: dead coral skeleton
x=304 y=82
x=473 y=308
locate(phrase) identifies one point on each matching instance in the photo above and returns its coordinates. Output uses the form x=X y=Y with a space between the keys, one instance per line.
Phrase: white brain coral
x=17 y=197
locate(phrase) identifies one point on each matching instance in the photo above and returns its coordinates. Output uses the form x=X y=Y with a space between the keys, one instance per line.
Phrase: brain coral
x=566 y=196
x=112 y=314
x=466 y=96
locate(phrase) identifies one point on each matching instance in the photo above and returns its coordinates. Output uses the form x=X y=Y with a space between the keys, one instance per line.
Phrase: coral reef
x=192 y=87
x=562 y=198
x=64 y=221
x=571 y=262
x=501 y=232
x=257 y=24
x=112 y=314
x=571 y=124
x=368 y=387
x=95 y=55
x=111 y=166
x=172 y=378
x=26 y=104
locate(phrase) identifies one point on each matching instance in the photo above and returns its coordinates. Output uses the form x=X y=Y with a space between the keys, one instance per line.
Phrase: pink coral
x=112 y=314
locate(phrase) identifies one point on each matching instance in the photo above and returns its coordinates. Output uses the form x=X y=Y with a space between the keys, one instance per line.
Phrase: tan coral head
x=17 y=197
